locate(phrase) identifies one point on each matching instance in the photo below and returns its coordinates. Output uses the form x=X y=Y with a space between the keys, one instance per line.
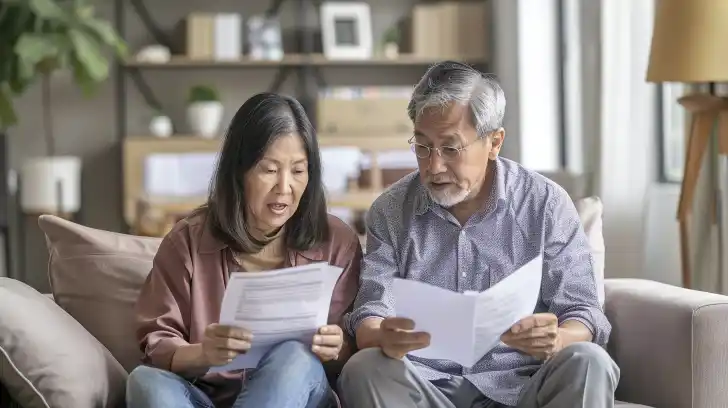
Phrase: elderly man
x=466 y=220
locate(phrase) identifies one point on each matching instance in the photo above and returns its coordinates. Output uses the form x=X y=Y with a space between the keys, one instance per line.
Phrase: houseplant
x=204 y=111
x=391 y=42
x=39 y=38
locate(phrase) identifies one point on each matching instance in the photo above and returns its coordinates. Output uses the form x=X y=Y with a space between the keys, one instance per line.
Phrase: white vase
x=161 y=126
x=51 y=185
x=204 y=118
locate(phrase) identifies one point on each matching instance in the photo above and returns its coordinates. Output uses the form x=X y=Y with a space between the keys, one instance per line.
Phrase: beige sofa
x=75 y=348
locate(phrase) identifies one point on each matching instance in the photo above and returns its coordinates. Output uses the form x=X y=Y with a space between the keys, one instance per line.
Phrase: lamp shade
x=689 y=41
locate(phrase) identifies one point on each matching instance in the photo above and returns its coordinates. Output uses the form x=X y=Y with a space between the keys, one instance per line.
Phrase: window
x=673 y=125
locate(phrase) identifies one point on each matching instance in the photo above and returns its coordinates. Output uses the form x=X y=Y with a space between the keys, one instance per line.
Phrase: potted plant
x=39 y=38
x=391 y=42
x=204 y=111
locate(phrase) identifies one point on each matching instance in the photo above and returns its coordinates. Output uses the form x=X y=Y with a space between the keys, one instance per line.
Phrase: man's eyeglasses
x=448 y=153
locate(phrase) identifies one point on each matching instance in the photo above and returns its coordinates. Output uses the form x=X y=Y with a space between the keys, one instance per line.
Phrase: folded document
x=463 y=327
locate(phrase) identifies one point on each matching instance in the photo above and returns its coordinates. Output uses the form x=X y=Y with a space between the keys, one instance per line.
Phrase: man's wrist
x=572 y=331
x=368 y=332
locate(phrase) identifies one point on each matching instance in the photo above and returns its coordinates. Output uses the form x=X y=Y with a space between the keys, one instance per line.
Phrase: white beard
x=450 y=197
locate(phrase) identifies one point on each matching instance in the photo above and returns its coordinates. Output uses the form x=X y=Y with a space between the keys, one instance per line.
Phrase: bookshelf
x=305 y=68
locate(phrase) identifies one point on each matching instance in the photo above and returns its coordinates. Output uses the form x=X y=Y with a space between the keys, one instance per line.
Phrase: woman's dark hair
x=263 y=118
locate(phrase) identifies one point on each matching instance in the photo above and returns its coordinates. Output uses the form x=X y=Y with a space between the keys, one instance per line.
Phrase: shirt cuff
x=160 y=355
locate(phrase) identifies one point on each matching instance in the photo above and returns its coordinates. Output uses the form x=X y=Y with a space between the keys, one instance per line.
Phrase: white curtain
x=626 y=137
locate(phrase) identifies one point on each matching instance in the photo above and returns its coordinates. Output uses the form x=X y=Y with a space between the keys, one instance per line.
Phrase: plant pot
x=391 y=50
x=204 y=118
x=51 y=185
x=161 y=126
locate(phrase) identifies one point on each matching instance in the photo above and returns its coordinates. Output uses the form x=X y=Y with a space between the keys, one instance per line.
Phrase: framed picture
x=346 y=29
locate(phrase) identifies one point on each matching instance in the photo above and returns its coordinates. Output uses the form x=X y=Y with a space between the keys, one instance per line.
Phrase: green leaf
x=83 y=80
x=48 y=9
x=89 y=55
x=107 y=35
x=8 y=116
x=34 y=48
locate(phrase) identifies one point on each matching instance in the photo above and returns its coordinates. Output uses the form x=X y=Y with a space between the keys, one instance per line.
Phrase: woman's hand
x=222 y=344
x=327 y=342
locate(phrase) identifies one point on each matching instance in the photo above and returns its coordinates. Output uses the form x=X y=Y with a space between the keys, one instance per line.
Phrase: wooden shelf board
x=178 y=61
x=362 y=141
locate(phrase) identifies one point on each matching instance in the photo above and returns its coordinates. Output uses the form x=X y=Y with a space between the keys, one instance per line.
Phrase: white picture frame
x=346 y=30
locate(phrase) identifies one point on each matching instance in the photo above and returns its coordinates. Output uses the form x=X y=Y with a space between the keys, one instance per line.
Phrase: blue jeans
x=289 y=375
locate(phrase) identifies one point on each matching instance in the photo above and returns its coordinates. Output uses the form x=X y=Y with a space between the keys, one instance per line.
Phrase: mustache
x=439 y=179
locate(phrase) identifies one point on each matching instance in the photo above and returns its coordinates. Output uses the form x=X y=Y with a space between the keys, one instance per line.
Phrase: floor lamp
x=688 y=46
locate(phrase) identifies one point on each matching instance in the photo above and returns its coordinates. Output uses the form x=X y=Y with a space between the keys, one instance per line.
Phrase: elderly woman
x=266 y=210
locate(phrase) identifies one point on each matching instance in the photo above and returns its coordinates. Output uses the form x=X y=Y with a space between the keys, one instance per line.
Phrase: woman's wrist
x=189 y=360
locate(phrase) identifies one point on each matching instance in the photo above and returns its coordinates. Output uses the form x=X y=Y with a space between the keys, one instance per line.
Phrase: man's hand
x=327 y=342
x=398 y=337
x=536 y=335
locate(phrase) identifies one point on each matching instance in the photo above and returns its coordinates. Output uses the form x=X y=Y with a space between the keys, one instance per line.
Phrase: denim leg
x=290 y=376
x=149 y=387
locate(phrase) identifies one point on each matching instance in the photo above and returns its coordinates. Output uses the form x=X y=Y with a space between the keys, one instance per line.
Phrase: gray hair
x=450 y=81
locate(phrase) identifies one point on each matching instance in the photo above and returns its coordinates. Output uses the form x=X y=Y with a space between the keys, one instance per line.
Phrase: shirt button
x=464 y=274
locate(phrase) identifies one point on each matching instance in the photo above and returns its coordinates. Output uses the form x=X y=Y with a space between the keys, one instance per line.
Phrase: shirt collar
x=423 y=199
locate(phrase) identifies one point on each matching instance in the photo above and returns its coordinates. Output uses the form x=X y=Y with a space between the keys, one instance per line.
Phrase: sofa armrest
x=669 y=342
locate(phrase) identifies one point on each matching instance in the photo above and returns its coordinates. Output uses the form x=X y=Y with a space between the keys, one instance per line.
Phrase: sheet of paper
x=280 y=305
x=447 y=316
x=505 y=303
x=465 y=326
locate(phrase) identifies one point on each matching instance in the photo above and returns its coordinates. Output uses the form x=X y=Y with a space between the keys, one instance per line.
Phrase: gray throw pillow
x=48 y=360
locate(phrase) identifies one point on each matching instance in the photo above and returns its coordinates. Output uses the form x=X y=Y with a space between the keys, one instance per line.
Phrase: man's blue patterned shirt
x=409 y=236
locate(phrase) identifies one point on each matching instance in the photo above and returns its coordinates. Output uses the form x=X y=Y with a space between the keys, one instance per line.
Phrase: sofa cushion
x=48 y=360
x=96 y=277
x=590 y=211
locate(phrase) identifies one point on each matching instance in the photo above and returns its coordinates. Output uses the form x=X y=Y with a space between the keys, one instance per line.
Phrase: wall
x=86 y=127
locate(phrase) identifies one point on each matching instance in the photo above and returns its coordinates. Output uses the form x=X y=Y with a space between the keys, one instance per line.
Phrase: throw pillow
x=48 y=360
x=590 y=211
x=96 y=277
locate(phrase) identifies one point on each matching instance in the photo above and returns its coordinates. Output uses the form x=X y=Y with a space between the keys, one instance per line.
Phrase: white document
x=280 y=305
x=463 y=327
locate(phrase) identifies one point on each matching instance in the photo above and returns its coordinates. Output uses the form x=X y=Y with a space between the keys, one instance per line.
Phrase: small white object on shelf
x=154 y=54
x=264 y=38
x=204 y=118
x=161 y=126
x=51 y=185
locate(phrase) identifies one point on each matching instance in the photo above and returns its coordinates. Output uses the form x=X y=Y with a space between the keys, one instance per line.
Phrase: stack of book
x=214 y=36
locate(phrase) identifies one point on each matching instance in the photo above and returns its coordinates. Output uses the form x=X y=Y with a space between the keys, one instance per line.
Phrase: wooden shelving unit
x=306 y=66
x=137 y=148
